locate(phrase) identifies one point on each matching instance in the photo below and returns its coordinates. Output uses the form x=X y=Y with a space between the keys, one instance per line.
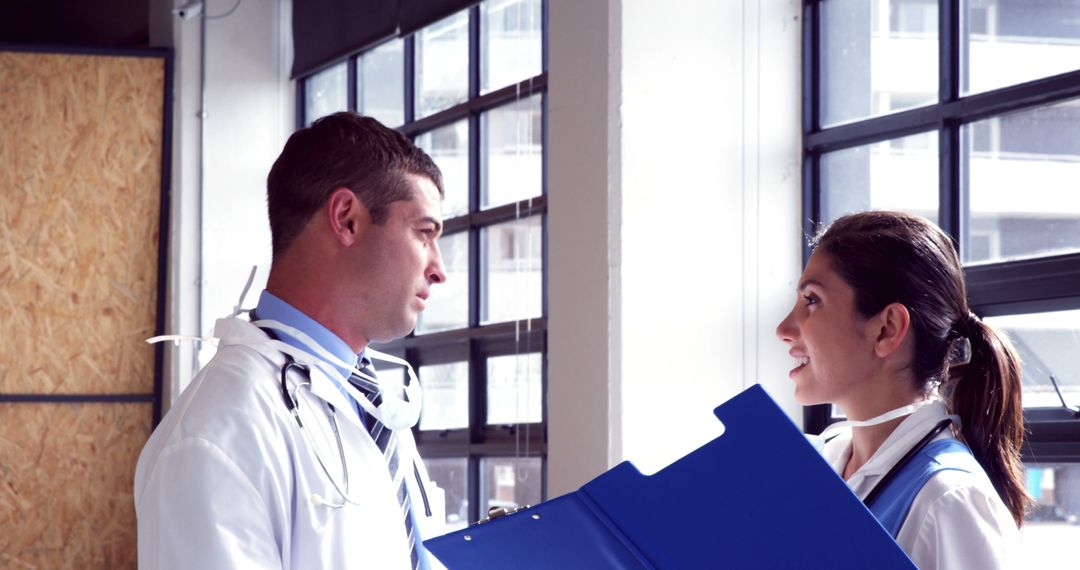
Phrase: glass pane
x=1049 y=345
x=514 y=389
x=510 y=45
x=511 y=154
x=446 y=396
x=1050 y=537
x=509 y=482
x=380 y=83
x=1013 y=41
x=390 y=374
x=877 y=57
x=326 y=93
x=511 y=270
x=448 y=306
x=452 y=476
x=899 y=174
x=1022 y=173
x=442 y=64
x=449 y=147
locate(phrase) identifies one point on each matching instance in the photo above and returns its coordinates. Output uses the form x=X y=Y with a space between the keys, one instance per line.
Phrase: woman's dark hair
x=889 y=257
x=341 y=150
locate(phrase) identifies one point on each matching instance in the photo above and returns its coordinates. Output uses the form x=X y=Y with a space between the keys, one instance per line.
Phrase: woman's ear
x=889 y=328
x=347 y=215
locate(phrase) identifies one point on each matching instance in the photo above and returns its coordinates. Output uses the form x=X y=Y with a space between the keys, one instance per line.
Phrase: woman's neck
x=865 y=441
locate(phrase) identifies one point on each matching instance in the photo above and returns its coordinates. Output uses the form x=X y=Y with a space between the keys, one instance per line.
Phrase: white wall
x=249 y=115
x=250 y=105
x=674 y=181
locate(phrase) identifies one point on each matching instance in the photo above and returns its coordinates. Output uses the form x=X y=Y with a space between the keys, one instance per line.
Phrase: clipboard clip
x=500 y=512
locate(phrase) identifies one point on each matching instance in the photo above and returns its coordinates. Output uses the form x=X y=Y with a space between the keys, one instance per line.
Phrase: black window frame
x=478 y=341
x=1040 y=284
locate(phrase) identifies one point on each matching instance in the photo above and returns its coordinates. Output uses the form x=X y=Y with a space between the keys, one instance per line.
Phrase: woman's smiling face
x=832 y=344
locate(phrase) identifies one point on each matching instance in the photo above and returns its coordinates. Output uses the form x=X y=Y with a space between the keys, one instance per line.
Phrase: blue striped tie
x=384 y=438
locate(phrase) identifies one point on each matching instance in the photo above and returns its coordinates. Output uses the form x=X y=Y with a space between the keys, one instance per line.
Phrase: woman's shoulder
x=957 y=520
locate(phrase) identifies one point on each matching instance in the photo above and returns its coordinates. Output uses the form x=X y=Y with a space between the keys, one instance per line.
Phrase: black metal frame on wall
x=478 y=341
x=1011 y=287
x=154 y=398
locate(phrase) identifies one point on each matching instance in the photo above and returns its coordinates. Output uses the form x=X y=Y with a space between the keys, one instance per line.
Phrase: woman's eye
x=810 y=300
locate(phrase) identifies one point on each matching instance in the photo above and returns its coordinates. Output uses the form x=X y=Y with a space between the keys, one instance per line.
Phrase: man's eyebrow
x=432 y=220
x=802 y=286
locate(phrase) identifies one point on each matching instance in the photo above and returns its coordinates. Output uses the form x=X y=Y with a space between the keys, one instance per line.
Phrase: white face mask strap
x=377 y=355
x=176 y=338
x=887 y=416
x=240 y=302
x=308 y=342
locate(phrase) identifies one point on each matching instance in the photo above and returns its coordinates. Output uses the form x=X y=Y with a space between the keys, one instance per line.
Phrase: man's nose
x=436 y=272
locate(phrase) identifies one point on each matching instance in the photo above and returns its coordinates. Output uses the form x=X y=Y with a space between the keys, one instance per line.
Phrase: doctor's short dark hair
x=341 y=150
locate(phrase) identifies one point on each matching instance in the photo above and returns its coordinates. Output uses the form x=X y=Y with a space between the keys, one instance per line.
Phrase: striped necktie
x=387 y=442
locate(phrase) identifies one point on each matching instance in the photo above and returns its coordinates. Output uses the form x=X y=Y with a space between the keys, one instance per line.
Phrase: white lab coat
x=957 y=520
x=227 y=480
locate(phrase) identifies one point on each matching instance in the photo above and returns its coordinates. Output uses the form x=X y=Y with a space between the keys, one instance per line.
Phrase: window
x=965 y=111
x=471 y=91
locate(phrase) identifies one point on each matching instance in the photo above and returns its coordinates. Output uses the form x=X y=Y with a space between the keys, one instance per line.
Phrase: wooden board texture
x=80 y=187
x=66 y=477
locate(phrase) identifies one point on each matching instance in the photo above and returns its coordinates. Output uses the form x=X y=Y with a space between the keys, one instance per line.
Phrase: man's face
x=398 y=262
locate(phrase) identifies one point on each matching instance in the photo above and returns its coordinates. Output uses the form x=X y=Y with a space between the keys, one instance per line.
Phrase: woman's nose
x=786 y=330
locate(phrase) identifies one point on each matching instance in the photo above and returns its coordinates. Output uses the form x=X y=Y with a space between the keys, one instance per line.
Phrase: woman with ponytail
x=881 y=327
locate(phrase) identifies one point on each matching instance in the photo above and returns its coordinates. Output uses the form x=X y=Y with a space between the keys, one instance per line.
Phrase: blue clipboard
x=758 y=496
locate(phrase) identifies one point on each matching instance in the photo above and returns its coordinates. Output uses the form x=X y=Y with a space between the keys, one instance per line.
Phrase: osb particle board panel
x=80 y=149
x=66 y=476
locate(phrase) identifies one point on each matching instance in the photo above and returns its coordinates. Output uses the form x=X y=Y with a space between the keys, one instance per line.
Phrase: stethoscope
x=892 y=473
x=293 y=405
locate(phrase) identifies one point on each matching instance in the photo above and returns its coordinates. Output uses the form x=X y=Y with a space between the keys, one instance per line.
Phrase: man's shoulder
x=230 y=406
x=235 y=393
x=235 y=374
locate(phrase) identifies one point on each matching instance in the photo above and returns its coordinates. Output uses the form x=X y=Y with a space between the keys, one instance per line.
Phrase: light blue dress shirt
x=272 y=307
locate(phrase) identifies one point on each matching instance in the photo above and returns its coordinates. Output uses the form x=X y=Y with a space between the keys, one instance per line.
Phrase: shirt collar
x=899 y=442
x=272 y=307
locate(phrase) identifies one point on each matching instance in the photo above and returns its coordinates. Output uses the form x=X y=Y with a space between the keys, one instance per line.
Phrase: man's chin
x=392 y=334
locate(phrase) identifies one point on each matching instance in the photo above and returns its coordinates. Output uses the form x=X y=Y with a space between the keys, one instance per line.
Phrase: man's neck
x=320 y=305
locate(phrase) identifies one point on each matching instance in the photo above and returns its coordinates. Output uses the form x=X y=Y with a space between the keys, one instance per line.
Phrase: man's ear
x=889 y=328
x=347 y=216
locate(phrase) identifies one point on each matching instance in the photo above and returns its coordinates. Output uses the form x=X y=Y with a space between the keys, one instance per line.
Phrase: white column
x=583 y=241
x=674 y=234
x=249 y=113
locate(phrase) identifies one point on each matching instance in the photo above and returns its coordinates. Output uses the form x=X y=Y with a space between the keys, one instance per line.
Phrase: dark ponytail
x=985 y=393
x=889 y=257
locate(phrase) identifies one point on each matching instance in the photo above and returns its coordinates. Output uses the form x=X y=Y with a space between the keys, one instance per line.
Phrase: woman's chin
x=806 y=397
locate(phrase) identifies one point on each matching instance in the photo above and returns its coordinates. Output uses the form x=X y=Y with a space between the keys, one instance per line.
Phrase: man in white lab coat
x=230 y=479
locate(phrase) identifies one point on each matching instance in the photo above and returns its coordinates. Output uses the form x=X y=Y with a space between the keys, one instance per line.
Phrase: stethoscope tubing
x=892 y=473
x=292 y=404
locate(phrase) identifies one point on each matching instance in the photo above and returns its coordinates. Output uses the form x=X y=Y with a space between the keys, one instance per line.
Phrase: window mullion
x=949 y=50
x=409 y=61
x=352 y=72
x=949 y=187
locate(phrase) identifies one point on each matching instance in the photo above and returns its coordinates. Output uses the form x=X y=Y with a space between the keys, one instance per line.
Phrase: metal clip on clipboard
x=762 y=497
